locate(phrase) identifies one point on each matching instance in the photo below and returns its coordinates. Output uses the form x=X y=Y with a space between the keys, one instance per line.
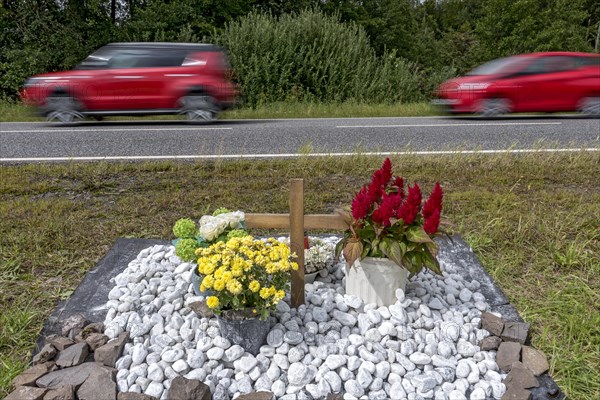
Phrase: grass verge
x=17 y=112
x=532 y=219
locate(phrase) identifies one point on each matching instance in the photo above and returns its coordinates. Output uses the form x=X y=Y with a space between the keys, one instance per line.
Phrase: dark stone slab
x=515 y=332
x=188 y=389
x=66 y=392
x=89 y=299
x=27 y=393
x=548 y=389
x=521 y=377
x=492 y=323
x=28 y=377
x=462 y=261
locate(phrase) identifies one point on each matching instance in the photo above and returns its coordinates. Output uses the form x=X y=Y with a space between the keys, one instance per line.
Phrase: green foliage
x=186 y=249
x=313 y=56
x=184 y=228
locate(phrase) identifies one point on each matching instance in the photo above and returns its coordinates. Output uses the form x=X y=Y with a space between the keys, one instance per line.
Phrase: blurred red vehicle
x=137 y=79
x=537 y=82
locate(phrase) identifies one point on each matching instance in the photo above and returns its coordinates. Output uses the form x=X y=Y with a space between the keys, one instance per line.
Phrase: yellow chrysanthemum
x=294 y=265
x=234 y=286
x=254 y=286
x=208 y=281
x=272 y=291
x=264 y=293
x=280 y=294
x=212 y=302
x=237 y=271
x=227 y=276
x=219 y=285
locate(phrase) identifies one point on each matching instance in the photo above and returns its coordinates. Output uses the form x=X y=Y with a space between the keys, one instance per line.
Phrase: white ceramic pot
x=375 y=280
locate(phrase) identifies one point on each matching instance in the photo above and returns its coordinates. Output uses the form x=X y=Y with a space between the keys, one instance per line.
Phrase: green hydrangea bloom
x=236 y=233
x=184 y=228
x=186 y=249
x=220 y=210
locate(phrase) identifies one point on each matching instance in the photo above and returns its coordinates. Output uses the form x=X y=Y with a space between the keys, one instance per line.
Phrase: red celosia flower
x=377 y=186
x=361 y=205
x=411 y=206
x=434 y=202
x=386 y=170
x=387 y=209
x=399 y=183
x=431 y=224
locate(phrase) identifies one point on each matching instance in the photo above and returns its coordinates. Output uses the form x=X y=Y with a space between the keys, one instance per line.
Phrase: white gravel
x=422 y=347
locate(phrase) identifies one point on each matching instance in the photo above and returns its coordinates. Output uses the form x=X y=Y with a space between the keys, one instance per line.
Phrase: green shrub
x=314 y=57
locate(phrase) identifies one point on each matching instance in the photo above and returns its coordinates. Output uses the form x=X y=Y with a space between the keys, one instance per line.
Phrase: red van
x=137 y=79
x=538 y=82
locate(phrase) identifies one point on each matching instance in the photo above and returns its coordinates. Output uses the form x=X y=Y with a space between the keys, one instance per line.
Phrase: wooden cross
x=296 y=221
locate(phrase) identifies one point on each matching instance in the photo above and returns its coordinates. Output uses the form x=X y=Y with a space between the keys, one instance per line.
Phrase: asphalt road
x=22 y=142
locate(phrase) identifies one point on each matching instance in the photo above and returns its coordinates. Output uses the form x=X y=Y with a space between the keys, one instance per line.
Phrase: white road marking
x=292 y=155
x=59 y=130
x=445 y=125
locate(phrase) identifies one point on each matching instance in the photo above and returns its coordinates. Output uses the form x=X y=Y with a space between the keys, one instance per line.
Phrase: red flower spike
x=399 y=183
x=434 y=202
x=387 y=209
x=411 y=206
x=386 y=170
x=432 y=223
x=361 y=205
x=377 y=185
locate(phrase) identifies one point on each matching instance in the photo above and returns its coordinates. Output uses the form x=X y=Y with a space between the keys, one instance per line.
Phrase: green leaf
x=432 y=263
x=352 y=251
x=339 y=246
x=365 y=251
x=395 y=253
x=417 y=234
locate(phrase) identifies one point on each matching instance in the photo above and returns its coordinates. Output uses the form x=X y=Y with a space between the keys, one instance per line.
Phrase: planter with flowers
x=219 y=227
x=389 y=236
x=247 y=277
x=317 y=258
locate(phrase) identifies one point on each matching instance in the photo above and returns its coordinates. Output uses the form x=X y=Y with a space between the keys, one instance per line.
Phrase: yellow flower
x=254 y=286
x=227 y=276
x=280 y=294
x=264 y=293
x=219 y=285
x=202 y=287
x=212 y=302
x=272 y=291
x=294 y=265
x=234 y=286
x=208 y=281
x=237 y=271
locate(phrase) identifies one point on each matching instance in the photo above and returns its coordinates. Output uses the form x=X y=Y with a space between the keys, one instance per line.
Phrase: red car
x=538 y=82
x=137 y=79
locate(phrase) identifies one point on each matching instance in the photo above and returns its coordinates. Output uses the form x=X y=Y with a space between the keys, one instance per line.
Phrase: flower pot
x=375 y=280
x=196 y=279
x=310 y=278
x=250 y=333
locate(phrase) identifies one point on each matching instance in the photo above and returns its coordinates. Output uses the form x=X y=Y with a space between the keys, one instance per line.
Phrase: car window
x=550 y=64
x=500 y=66
x=591 y=61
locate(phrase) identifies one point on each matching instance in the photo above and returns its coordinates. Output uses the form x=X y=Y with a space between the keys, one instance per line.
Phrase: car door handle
x=129 y=77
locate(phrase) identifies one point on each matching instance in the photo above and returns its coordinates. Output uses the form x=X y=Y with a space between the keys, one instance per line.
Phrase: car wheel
x=62 y=109
x=494 y=107
x=200 y=108
x=590 y=106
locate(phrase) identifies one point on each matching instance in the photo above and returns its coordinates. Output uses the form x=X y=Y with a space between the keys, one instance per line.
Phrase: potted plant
x=248 y=277
x=317 y=257
x=389 y=236
x=218 y=227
